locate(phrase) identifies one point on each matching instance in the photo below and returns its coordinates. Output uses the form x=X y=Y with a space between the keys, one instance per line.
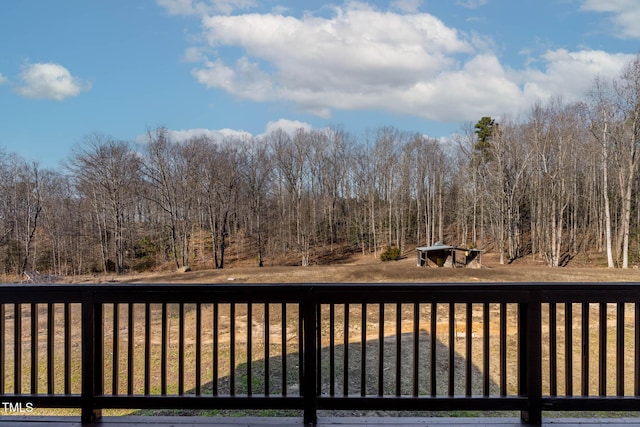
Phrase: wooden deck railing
x=401 y=347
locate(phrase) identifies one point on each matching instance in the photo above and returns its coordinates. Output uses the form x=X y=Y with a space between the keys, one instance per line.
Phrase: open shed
x=443 y=255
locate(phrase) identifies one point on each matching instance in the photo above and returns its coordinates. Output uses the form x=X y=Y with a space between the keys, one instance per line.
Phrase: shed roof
x=436 y=247
x=439 y=246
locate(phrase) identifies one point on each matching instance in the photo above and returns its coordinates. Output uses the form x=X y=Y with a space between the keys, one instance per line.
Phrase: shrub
x=390 y=254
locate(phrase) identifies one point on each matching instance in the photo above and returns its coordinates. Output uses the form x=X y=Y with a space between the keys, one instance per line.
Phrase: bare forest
x=556 y=181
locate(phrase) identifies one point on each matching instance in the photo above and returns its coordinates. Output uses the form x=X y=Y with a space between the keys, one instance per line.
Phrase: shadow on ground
x=354 y=384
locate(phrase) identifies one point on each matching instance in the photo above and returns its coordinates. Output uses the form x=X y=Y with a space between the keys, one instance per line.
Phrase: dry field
x=359 y=270
x=365 y=269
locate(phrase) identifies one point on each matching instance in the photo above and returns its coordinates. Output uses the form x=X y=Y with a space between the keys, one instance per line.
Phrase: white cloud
x=479 y=88
x=3 y=79
x=220 y=135
x=363 y=58
x=49 y=81
x=245 y=80
x=323 y=63
x=625 y=15
x=194 y=54
x=216 y=135
x=287 y=126
x=570 y=74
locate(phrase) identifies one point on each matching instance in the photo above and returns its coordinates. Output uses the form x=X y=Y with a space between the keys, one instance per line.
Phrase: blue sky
x=119 y=67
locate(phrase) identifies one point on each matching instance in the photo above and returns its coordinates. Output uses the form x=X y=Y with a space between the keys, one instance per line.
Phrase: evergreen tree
x=484 y=130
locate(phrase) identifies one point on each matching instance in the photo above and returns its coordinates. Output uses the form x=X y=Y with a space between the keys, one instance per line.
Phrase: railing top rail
x=325 y=292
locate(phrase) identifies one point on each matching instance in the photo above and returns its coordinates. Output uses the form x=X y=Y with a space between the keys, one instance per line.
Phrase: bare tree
x=226 y=183
x=257 y=177
x=107 y=171
x=602 y=116
x=615 y=124
x=626 y=141
x=33 y=207
x=293 y=172
x=159 y=170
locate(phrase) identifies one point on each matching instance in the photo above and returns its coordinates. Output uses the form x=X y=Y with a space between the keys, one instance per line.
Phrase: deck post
x=530 y=351
x=309 y=380
x=91 y=357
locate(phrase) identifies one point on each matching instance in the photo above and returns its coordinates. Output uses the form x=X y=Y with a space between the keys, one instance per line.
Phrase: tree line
x=555 y=182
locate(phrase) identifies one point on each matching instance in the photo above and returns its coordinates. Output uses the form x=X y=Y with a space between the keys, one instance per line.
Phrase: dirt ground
x=370 y=269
